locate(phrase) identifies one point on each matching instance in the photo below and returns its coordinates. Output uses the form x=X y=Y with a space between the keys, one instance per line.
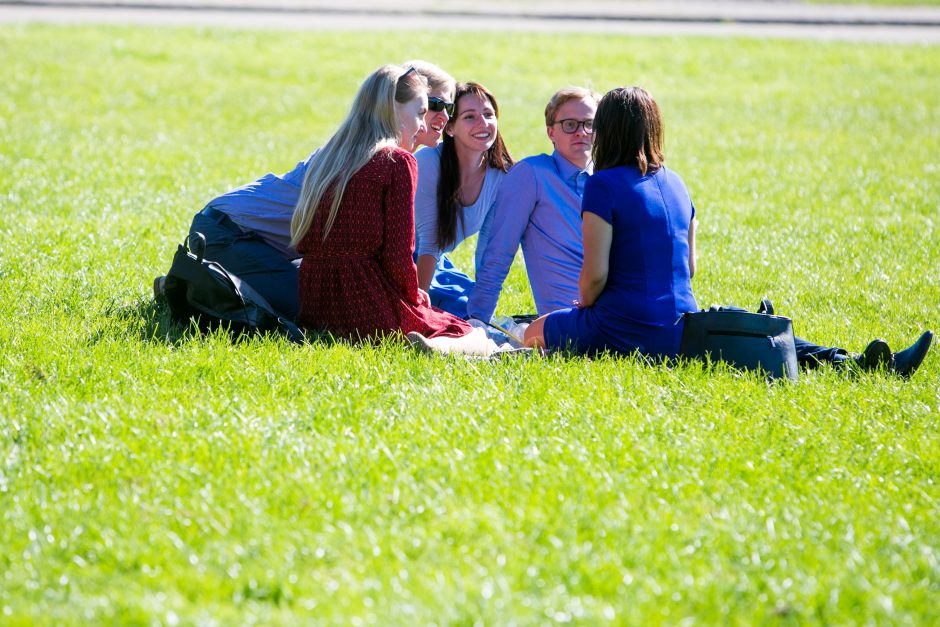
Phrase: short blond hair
x=436 y=77
x=564 y=95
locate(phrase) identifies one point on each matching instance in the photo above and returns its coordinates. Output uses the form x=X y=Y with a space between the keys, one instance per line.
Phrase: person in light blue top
x=539 y=206
x=457 y=186
x=265 y=205
x=247 y=230
x=472 y=217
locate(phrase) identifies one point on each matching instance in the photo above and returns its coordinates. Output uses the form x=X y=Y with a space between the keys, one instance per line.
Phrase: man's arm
x=515 y=201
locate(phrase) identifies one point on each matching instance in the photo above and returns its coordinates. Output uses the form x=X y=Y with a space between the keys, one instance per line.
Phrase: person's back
x=265 y=206
x=357 y=231
x=352 y=281
x=648 y=282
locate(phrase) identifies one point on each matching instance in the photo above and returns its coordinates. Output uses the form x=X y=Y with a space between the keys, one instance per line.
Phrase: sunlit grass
x=151 y=475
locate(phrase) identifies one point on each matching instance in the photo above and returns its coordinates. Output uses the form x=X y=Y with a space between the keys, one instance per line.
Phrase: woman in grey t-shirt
x=457 y=185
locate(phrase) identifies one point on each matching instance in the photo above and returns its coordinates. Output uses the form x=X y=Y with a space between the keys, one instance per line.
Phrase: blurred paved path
x=789 y=19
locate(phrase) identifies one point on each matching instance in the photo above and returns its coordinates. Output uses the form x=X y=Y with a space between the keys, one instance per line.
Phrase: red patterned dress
x=361 y=281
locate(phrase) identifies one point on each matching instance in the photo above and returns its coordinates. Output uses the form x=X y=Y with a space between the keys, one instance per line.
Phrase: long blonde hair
x=372 y=124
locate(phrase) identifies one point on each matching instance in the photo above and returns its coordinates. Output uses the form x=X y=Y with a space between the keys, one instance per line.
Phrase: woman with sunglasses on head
x=638 y=225
x=457 y=185
x=354 y=222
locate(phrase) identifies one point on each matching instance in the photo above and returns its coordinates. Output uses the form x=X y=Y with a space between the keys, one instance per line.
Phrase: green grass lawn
x=149 y=475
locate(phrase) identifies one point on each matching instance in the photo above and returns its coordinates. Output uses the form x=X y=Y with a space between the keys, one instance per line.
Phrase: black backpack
x=203 y=290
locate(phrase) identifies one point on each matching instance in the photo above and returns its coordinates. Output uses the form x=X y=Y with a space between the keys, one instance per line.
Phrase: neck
x=470 y=159
x=580 y=163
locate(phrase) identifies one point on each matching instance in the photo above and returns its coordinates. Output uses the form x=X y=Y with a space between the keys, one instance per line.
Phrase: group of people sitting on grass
x=354 y=240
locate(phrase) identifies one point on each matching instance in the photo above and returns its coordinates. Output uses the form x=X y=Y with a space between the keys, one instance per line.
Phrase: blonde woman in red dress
x=354 y=225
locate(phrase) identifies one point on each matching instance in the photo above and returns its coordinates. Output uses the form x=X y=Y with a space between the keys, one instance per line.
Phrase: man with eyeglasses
x=539 y=207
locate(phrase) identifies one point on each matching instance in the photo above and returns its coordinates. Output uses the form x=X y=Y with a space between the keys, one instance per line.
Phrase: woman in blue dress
x=639 y=241
x=638 y=226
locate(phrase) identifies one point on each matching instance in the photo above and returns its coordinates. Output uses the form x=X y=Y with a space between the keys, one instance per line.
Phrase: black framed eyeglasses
x=437 y=105
x=570 y=126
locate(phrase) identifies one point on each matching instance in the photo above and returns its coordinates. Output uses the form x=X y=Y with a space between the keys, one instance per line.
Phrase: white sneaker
x=420 y=342
x=475 y=344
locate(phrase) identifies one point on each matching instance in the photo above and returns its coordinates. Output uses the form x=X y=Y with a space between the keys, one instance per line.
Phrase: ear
x=550 y=131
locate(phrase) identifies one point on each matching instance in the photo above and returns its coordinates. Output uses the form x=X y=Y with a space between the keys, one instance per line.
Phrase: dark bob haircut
x=628 y=130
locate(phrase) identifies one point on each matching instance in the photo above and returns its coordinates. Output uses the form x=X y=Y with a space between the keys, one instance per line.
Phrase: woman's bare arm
x=597 y=235
x=426 y=266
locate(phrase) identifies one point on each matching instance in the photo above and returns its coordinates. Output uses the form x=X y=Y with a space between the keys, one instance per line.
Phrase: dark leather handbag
x=199 y=289
x=752 y=341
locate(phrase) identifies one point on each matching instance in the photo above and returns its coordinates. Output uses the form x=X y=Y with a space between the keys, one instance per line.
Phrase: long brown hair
x=449 y=209
x=628 y=130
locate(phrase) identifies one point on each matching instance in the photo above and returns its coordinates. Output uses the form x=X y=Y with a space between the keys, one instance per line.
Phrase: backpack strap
x=197 y=247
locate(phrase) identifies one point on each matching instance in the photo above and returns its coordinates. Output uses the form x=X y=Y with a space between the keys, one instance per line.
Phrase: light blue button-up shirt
x=538 y=206
x=266 y=206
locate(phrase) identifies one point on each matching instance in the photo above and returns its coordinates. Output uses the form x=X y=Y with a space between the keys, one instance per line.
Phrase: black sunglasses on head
x=437 y=105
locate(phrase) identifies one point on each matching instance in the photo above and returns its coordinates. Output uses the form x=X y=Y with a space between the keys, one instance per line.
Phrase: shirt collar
x=566 y=169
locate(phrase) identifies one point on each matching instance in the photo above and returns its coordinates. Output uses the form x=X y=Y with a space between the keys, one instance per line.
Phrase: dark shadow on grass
x=152 y=322
x=713 y=368
x=718 y=368
x=144 y=319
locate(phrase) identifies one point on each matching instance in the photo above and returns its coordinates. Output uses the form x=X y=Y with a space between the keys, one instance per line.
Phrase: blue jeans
x=450 y=288
x=251 y=259
x=809 y=355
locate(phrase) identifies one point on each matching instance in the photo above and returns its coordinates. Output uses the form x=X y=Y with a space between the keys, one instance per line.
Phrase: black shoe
x=159 y=288
x=909 y=359
x=766 y=307
x=877 y=355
